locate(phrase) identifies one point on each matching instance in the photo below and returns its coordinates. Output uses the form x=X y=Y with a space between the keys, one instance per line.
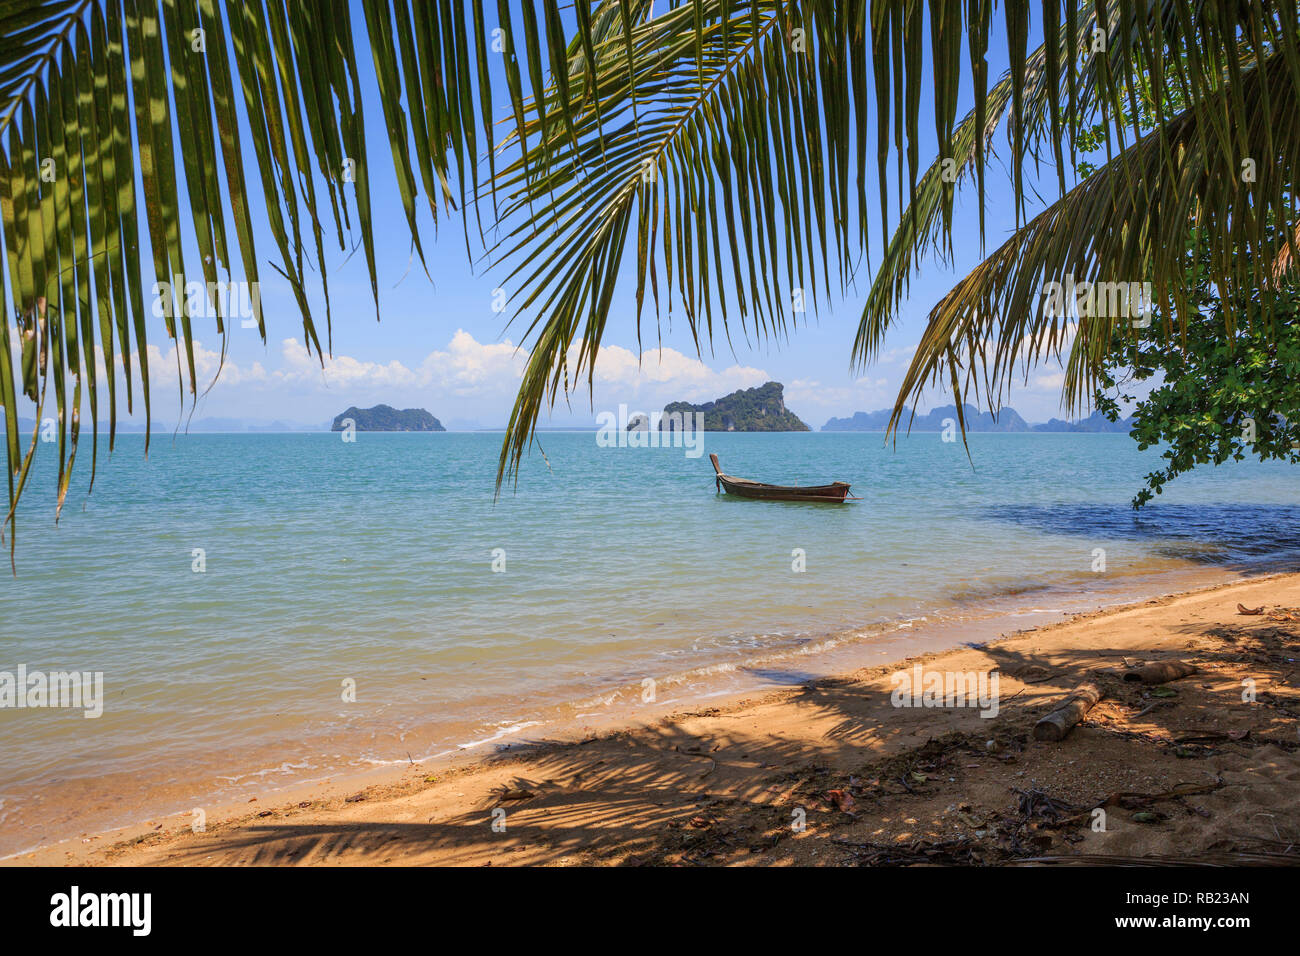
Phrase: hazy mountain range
x=161 y=426
x=1006 y=420
x=758 y=409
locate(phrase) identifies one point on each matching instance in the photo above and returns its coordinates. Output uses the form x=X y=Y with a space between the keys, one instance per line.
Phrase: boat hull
x=834 y=492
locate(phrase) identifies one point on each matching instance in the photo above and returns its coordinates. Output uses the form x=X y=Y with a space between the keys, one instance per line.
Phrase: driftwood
x=1059 y=722
x=1160 y=672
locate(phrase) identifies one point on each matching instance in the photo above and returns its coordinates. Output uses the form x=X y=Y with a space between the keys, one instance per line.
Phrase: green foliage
x=1134 y=80
x=760 y=409
x=1221 y=395
x=1142 y=115
x=385 y=418
x=1227 y=383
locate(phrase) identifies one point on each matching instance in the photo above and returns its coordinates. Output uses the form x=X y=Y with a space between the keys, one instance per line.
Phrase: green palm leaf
x=758 y=149
x=996 y=323
x=724 y=146
x=94 y=92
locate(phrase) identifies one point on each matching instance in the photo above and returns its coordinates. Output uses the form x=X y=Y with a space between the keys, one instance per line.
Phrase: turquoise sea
x=370 y=565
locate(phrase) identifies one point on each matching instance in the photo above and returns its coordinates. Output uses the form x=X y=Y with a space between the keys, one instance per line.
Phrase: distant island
x=1096 y=422
x=1007 y=420
x=385 y=418
x=760 y=409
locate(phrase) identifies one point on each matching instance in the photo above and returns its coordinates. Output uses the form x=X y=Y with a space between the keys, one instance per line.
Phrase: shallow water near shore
x=330 y=568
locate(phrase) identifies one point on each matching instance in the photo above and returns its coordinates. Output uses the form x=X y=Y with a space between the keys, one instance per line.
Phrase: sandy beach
x=833 y=772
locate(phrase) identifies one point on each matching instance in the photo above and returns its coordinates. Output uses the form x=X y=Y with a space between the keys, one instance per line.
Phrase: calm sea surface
x=330 y=565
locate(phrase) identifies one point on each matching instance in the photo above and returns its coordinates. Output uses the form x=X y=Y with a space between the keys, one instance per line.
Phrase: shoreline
x=467 y=791
x=611 y=704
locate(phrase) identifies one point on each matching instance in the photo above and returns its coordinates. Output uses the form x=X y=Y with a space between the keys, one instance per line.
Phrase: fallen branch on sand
x=1150 y=707
x=1059 y=722
x=1160 y=672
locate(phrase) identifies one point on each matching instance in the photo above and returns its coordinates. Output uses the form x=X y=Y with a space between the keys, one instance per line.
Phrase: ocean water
x=331 y=566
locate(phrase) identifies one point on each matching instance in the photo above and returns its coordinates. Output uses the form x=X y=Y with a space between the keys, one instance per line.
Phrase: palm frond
x=95 y=94
x=757 y=155
x=998 y=322
x=715 y=141
x=1041 y=86
x=724 y=145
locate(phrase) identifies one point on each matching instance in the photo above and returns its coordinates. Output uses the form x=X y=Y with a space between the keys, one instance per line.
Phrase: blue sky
x=441 y=346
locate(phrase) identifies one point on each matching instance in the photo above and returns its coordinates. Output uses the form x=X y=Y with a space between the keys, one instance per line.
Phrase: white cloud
x=668 y=374
x=468 y=365
x=466 y=379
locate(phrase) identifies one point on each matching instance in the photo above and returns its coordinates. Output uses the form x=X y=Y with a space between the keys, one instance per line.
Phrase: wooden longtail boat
x=836 y=491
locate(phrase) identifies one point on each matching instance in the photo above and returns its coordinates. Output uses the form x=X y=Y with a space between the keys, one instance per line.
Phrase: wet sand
x=833 y=772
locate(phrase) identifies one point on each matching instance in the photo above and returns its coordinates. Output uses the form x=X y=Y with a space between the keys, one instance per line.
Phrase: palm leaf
x=723 y=144
x=690 y=160
x=751 y=147
x=95 y=92
x=996 y=323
